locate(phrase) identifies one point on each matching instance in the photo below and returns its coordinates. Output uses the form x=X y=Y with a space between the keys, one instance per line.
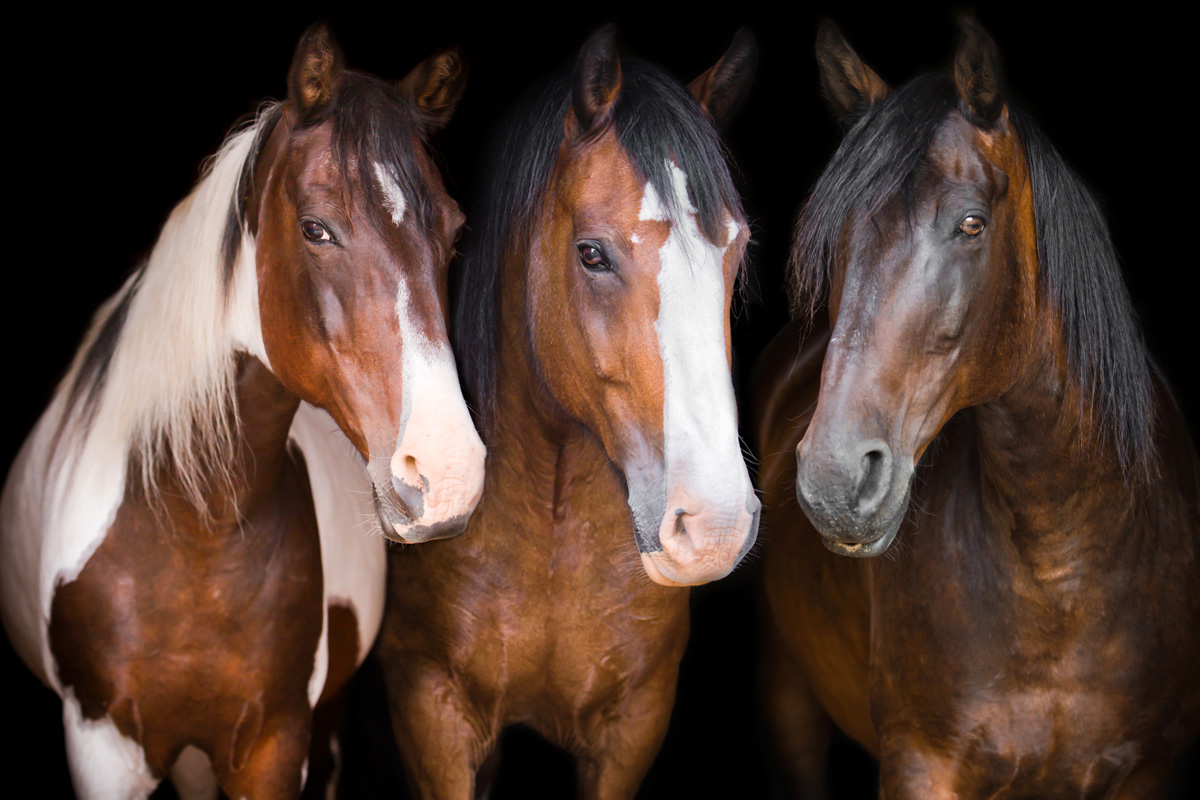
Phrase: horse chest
x=172 y=632
x=550 y=616
x=993 y=694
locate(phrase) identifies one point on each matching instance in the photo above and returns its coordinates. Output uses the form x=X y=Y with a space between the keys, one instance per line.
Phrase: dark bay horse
x=593 y=332
x=982 y=413
x=188 y=541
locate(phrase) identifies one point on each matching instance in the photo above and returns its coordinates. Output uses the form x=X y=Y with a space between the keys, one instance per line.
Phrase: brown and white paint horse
x=594 y=330
x=187 y=538
x=1034 y=628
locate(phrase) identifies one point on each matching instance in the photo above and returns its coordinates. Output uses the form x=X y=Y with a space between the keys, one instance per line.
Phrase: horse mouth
x=860 y=549
x=875 y=547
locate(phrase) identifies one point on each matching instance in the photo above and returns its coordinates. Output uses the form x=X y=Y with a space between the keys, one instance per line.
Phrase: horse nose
x=436 y=482
x=703 y=542
x=842 y=486
x=874 y=467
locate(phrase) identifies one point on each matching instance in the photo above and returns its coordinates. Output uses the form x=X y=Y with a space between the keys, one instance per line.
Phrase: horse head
x=631 y=270
x=354 y=232
x=923 y=226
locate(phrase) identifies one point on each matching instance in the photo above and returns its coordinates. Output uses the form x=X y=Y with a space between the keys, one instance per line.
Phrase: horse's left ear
x=435 y=86
x=315 y=71
x=721 y=89
x=977 y=72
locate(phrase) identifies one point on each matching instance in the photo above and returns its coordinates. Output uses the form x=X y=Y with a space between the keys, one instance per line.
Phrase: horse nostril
x=874 y=474
x=410 y=472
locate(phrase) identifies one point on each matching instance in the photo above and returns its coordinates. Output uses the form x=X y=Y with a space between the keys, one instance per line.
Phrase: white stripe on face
x=393 y=198
x=702 y=451
x=435 y=425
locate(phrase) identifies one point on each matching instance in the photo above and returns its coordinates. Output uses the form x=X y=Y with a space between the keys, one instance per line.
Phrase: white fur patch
x=352 y=550
x=165 y=396
x=437 y=412
x=103 y=762
x=699 y=411
x=393 y=198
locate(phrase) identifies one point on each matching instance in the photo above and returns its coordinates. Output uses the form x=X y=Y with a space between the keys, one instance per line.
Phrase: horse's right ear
x=596 y=81
x=315 y=72
x=435 y=86
x=847 y=83
x=721 y=89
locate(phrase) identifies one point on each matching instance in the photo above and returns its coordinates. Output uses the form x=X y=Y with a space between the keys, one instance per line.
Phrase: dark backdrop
x=113 y=115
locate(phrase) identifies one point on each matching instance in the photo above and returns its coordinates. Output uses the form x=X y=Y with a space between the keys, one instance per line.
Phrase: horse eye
x=972 y=226
x=315 y=231
x=593 y=257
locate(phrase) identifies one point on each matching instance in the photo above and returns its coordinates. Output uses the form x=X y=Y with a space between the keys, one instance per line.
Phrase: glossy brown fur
x=233 y=679
x=1033 y=630
x=540 y=613
x=200 y=625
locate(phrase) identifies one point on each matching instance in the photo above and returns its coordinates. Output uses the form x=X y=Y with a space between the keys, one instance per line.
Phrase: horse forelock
x=877 y=159
x=659 y=125
x=1078 y=270
x=378 y=146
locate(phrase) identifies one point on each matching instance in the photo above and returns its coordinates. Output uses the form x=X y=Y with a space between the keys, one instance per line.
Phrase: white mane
x=167 y=390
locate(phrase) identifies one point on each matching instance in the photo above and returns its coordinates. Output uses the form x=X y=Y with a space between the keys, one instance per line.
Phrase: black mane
x=656 y=120
x=1079 y=272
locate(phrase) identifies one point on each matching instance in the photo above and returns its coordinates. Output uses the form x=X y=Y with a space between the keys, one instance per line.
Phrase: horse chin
x=863 y=549
x=417 y=533
x=868 y=548
x=401 y=527
x=664 y=575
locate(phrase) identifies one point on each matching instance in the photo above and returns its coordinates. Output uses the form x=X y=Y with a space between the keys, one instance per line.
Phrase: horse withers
x=593 y=332
x=982 y=428
x=188 y=540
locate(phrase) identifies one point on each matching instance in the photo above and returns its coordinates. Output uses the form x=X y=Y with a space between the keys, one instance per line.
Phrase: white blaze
x=393 y=198
x=433 y=409
x=701 y=444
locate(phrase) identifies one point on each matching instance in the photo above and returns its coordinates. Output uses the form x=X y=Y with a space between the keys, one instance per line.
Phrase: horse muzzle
x=431 y=495
x=854 y=493
x=701 y=542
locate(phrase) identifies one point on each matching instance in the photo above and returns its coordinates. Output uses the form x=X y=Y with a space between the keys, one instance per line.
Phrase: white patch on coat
x=702 y=449
x=393 y=198
x=103 y=762
x=353 y=554
x=193 y=776
x=166 y=396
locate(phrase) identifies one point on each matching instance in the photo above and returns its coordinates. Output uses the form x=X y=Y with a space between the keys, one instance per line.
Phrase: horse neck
x=1053 y=491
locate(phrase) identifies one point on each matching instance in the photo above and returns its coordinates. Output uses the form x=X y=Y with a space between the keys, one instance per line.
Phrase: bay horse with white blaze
x=1034 y=627
x=186 y=543
x=593 y=331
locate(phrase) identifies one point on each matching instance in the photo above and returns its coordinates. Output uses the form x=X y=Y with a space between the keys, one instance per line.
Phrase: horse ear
x=315 y=71
x=847 y=83
x=721 y=90
x=435 y=86
x=977 y=71
x=596 y=81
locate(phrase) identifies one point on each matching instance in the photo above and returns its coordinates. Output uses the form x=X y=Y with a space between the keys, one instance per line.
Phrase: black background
x=110 y=115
